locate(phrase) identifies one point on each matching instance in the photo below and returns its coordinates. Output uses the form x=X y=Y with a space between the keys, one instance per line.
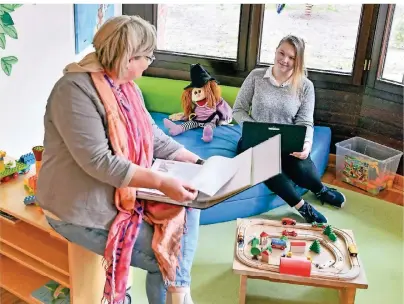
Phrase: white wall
x=45 y=45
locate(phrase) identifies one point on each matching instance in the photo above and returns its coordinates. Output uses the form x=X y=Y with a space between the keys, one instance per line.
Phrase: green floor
x=378 y=229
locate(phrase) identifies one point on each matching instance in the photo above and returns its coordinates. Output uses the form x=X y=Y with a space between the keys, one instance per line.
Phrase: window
x=348 y=46
x=386 y=68
x=393 y=67
x=330 y=33
x=199 y=29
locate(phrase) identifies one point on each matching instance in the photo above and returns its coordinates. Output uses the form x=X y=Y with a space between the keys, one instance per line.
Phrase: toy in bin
x=366 y=164
x=365 y=175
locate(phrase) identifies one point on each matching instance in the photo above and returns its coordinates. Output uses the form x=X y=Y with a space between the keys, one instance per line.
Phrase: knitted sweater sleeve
x=305 y=114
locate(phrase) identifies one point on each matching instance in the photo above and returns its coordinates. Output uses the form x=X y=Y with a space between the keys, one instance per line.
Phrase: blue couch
x=255 y=200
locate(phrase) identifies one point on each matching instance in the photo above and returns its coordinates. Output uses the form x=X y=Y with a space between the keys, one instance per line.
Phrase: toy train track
x=331 y=271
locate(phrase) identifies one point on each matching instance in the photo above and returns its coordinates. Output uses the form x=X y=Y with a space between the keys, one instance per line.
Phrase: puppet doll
x=202 y=104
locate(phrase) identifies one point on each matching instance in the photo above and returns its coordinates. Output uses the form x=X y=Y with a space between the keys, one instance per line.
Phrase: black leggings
x=302 y=172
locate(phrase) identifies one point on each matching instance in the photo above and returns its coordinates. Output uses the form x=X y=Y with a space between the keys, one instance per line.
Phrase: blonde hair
x=299 y=71
x=121 y=38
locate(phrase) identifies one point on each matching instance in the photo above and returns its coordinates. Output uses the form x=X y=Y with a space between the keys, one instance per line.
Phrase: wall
x=45 y=45
x=360 y=114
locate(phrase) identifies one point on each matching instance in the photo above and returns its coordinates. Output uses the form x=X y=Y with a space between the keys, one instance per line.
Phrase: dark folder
x=292 y=136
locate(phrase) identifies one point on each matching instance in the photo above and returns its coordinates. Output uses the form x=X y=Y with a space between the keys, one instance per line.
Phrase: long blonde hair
x=299 y=70
x=121 y=38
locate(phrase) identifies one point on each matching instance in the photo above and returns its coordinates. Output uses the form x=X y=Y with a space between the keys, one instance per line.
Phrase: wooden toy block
x=293 y=266
x=265 y=256
x=263 y=238
x=298 y=246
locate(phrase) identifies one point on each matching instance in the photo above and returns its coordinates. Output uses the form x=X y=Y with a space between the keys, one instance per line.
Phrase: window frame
x=233 y=72
x=173 y=64
x=375 y=84
x=322 y=77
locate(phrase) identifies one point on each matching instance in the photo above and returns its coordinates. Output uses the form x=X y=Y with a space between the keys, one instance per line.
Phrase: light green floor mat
x=378 y=229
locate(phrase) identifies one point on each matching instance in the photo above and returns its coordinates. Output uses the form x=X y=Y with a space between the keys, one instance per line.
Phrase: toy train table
x=304 y=254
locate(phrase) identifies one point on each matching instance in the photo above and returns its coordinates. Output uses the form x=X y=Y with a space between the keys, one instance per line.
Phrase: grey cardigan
x=79 y=171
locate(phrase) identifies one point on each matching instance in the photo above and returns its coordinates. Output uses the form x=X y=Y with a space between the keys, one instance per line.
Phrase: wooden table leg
x=347 y=295
x=243 y=289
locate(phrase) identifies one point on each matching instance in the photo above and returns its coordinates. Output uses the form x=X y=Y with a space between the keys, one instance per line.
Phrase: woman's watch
x=200 y=161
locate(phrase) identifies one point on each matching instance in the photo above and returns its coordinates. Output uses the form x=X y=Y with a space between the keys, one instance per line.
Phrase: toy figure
x=202 y=104
x=240 y=238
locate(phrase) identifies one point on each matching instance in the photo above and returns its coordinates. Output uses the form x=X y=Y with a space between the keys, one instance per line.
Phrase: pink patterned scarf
x=131 y=136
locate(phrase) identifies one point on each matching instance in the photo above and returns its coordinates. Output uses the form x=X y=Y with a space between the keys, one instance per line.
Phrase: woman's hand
x=177 y=190
x=305 y=153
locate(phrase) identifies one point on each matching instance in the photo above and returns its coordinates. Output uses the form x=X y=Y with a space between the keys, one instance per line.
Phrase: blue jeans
x=142 y=255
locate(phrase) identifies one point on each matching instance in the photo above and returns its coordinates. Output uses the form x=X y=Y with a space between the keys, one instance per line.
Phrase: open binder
x=220 y=178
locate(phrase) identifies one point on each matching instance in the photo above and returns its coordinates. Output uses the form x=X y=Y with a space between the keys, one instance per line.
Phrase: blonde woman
x=99 y=145
x=283 y=94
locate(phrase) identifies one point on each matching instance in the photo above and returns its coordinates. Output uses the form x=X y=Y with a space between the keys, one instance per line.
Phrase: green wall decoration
x=7 y=28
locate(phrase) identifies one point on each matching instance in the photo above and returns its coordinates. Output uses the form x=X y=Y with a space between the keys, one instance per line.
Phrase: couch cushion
x=257 y=199
x=164 y=95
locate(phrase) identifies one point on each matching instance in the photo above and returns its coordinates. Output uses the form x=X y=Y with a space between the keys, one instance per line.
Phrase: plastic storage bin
x=366 y=164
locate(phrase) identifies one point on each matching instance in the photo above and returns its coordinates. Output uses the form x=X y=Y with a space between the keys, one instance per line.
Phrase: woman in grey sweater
x=81 y=172
x=283 y=94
